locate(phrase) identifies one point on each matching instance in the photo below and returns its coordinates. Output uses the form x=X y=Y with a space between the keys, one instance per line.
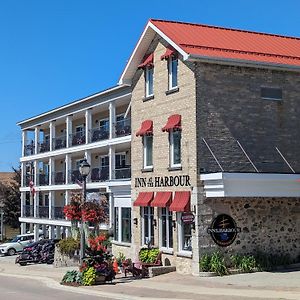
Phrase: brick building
x=215 y=117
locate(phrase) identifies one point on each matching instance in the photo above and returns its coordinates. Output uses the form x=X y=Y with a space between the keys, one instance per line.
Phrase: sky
x=53 y=52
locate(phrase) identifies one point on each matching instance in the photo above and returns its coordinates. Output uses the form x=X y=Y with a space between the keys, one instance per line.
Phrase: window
x=148 y=225
x=122 y=224
x=172 y=68
x=120 y=161
x=175 y=148
x=79 y=130
x=104 y=124
x=149 y=80
x=148 y=151
x=271 y=93
x=184 y=235
x=166 y=234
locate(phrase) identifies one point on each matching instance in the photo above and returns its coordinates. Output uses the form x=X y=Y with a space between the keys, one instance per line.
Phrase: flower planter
x=100 y=279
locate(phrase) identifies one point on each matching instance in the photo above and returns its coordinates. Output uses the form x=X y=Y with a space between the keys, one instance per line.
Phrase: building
x=53 y=144
x=215 y=143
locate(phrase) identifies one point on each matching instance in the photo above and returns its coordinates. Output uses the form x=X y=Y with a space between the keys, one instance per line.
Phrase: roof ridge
x=229 y=29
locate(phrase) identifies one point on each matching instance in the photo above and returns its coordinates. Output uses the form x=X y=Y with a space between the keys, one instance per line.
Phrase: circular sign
x=223 y=230
x=187 y=218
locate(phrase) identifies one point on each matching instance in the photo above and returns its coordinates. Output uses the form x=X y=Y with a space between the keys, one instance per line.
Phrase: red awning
x=143 y=199
x=162 y=199
x=170 y=51
x=181 y=202
x=147 y=61
x=174 y=123
x=146 y=128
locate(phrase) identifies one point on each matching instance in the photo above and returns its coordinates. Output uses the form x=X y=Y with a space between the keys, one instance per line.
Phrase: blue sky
x=54 y=52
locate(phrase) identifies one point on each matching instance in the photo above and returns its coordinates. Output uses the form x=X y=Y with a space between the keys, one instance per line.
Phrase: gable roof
x=211 y=43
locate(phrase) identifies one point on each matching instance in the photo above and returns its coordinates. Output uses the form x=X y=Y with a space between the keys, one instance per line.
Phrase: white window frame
x=147 y=82
x=118 y=205
x=171 y=137
x=168 y=225
x=106 y=123
x=145 y=149
x=143 y=241
x=171 y=85
x=80 y=129
x=180 y=237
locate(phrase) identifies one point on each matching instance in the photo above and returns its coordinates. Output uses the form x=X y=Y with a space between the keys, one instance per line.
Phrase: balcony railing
x=43 y=179
x=59 y=142
x=99 y=134
x=100 y=174
x=75 y=176
x=28 y=211
x=29 y=148
x=77 y=138
x=58 y=178
x=123 y=127
x=123 y=173
x=43 y=147
x=43 y=212
x=58 y=213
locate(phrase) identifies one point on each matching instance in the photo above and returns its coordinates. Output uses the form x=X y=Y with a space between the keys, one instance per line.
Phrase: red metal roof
x=174 y=122
x=146 y=128
x=143 y=199
x=218 y=42
x=181 y=202
x=162 y=199
x=147 y=61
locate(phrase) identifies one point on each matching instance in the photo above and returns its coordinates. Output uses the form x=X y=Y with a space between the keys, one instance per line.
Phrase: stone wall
x=62 y=260
x=269 y=225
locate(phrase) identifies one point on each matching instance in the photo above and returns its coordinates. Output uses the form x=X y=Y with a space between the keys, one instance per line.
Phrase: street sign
x=187 y=218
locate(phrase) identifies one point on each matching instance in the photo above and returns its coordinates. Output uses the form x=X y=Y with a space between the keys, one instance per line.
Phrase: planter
x=100 y=279
x=208 y=274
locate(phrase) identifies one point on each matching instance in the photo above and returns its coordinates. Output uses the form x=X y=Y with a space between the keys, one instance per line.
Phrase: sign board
x=187 y=218
x=162 y=181
x=223 y=230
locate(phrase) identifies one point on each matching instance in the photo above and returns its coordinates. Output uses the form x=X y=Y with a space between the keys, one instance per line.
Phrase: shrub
x=72 y=277
x=89 y=276
x=68 y=246
x=148 y=255
x=217 y=264
x=204 y=263
x=245 y=263
x=120 y=258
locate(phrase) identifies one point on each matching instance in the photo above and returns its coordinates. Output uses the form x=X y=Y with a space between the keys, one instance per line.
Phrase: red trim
x=181 y=202
x=143 y=199
x=162 y=199
x=147 y=61
x=174 y=123
x=146 y=128
x=170 y=51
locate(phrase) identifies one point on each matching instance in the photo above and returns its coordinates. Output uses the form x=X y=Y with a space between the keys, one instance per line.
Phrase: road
x=28 y=289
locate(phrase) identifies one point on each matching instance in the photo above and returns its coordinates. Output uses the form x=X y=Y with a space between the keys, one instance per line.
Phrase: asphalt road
x=29 y=289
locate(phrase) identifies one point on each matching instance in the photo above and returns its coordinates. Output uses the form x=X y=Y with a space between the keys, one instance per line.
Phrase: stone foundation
x=62 y=260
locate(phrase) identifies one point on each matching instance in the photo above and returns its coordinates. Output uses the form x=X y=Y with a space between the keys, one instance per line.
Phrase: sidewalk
x=263 y=285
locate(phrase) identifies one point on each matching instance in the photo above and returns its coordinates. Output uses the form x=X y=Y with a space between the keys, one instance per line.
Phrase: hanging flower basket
x=72 y=212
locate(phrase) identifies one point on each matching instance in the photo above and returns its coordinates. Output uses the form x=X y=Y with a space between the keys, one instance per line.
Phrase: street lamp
x=84 y=169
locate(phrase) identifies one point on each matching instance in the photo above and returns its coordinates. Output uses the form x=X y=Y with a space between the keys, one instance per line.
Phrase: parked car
x=16 y=244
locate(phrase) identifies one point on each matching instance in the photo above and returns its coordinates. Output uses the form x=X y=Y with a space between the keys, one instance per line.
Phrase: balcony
x=75 y=176
x=28 y=211
x=123 y=173
x=58 y=213
x=123 y=127
x=43 y=179
x=99 y=134
x=43 y=212
x=59 y=142
x=43 y=147
x=29 y=148
x=58 y=178
x=77 y=138
x=27 y=179
x=100 y=174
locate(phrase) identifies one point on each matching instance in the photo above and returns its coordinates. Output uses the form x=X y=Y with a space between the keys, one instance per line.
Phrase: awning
x=146 y=128
x=181 y=202
x=174 y=123
x=143 y=199
x=170 y=51
x=162 y=199
x=147 y=61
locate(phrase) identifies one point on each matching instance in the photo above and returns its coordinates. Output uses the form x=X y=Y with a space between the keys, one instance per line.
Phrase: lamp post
x=84 y=169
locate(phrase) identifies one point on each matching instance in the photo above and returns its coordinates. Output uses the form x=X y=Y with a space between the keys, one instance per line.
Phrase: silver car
x=16 y=244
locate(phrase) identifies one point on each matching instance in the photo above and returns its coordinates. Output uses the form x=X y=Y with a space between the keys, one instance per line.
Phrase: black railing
x=28 y=211
x=59 y=142
x=43 y=212
x=123 y=173
x=58 y=178
x=77 y=138
x=58 y=213
x=43 y=147
x=123 y=127
x=43 y=179
x=75 y=176
x=100 y=174
x=29 y=148
x=99 y=134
